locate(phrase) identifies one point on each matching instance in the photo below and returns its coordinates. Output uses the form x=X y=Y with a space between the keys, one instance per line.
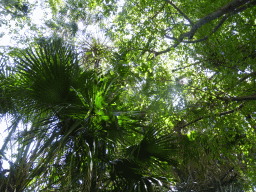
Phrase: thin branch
x=152 y=18
x=232 y=111
x=230 y=9
x=177 y=69
x=172 y=38
x=220 y=114
x=244 y=98
x=220 y=23
x=246 y=77
x=213 y=31
x=181 y=12
x=218 y=13
x=197 y=41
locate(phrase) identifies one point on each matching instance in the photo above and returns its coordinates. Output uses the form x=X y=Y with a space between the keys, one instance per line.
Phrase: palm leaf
x=47 y=72
x=160 y=147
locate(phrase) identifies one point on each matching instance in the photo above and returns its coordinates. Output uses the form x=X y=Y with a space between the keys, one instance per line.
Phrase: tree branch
x=196 y=41
x=244 y=98
x=220 y=114
x=246 y=77
x=231 y=8
x=152 y=18
x=218 y=13
x=183 y=14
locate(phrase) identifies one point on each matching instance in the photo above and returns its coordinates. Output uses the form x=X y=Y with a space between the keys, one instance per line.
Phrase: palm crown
x=84 y=142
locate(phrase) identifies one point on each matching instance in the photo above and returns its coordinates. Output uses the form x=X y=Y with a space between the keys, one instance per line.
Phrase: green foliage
x=55 y=4
x=168 y=102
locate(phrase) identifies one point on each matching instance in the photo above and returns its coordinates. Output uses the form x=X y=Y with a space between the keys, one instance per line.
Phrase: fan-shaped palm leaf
x=47 y=72
x=154 y=145
x=74 y=111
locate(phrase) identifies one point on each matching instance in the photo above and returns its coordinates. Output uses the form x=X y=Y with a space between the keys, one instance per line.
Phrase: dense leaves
x=163 y=99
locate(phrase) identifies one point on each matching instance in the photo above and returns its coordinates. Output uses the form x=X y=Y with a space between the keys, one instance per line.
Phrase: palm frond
x=47 y=72
x=153 y=145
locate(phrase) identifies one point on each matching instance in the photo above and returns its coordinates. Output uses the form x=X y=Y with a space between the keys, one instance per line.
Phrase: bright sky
x=5 y=41
x=3 y=135
x=4 y=124
x=38 y=16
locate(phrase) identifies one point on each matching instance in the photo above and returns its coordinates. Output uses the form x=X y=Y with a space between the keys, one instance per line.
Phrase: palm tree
x=85 y=142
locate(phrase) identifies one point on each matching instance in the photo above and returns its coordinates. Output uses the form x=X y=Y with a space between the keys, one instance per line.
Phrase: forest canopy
x=128 y=95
